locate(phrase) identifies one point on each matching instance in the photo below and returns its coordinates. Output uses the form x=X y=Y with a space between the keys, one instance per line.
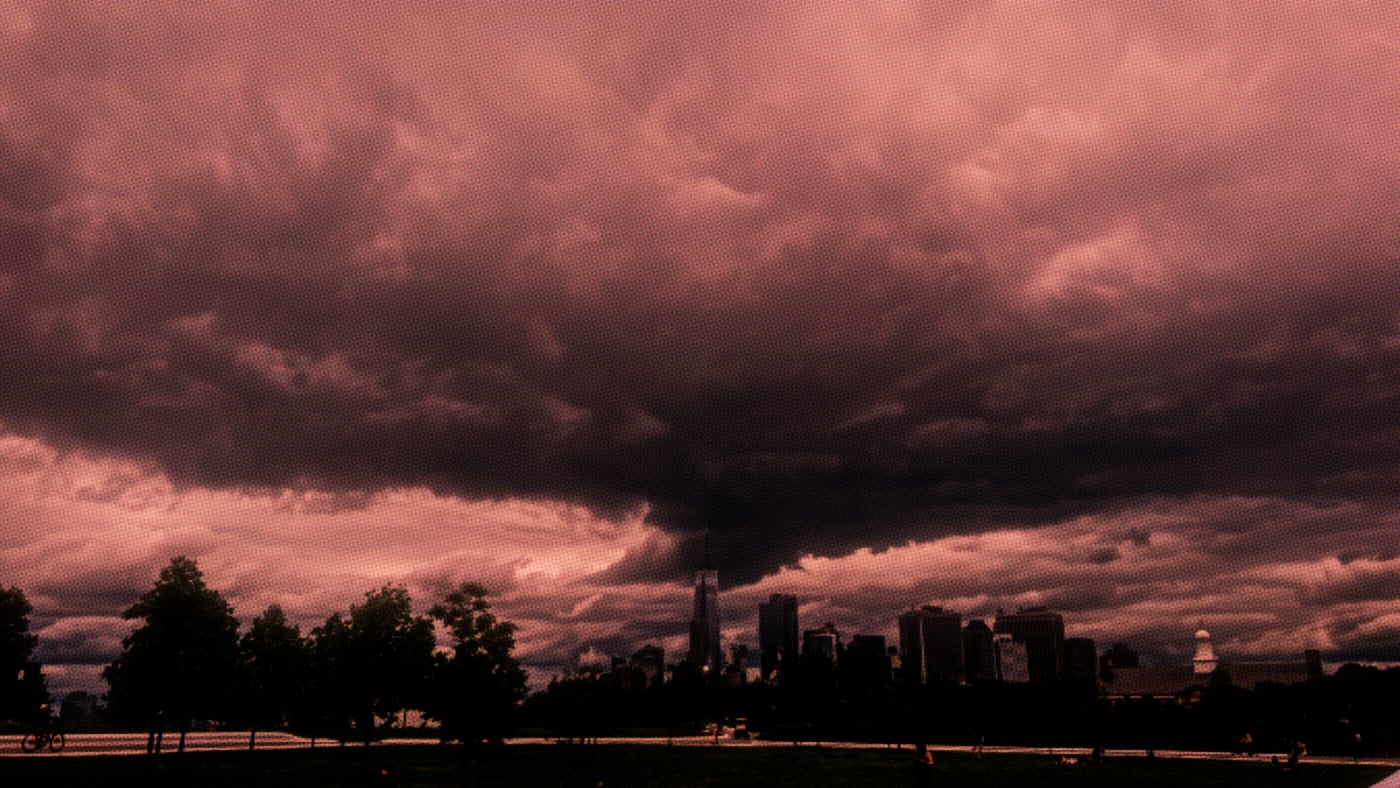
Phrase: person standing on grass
x=923 y=766
x=1296 y=750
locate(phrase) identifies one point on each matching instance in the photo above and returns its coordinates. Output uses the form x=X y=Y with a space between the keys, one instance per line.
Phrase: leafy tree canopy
x=477 y=690
x=183 y=656
x=274 y=667
x=475 y=630
x=22 y=688
x=377 y=661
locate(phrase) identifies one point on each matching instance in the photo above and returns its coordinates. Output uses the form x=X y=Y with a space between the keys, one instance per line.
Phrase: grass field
x=640 y=765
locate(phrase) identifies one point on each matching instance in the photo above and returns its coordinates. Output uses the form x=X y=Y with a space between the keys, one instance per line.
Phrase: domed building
x=1185 y=683
x=1204 y=662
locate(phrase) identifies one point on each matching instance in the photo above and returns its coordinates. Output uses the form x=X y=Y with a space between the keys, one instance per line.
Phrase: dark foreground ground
x=626 y=765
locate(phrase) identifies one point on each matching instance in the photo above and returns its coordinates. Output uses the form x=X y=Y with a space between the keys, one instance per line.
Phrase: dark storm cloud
x=813 y=282
x=82 y=641
x=98 y=589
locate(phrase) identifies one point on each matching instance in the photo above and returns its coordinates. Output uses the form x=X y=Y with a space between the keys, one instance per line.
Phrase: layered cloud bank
x=1263 y=573
x=976 y=303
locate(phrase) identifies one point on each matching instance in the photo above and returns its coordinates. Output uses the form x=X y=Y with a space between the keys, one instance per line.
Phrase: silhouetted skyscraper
x=705 y=650
x=1011 y=660
x=1043 y=634
x=979 y=658
x=1312 y=658
x=1081 y=660
x=777 y=633
x=822 y=644
x=736 y=673
x=930 y=644
x=911 y=647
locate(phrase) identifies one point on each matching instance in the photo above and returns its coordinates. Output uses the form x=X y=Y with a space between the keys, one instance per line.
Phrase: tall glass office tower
x=777 y=633
x=704 y=625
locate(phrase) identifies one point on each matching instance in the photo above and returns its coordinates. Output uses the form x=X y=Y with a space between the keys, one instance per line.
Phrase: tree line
x=350 y=678
x=363 y=671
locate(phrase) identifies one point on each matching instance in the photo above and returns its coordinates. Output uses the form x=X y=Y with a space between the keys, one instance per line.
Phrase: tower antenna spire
x=704 y=625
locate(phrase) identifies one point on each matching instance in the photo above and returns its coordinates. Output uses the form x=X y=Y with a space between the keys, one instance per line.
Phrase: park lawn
x=652 y=765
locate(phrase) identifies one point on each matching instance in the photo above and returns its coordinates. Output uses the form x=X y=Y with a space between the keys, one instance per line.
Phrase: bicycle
x=34 y=742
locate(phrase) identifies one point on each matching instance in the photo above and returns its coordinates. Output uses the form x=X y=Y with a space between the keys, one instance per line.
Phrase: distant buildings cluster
x=1026 y=646
x=936 y=645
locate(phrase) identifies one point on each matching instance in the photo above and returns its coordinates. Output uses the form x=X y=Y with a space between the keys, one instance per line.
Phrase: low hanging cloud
x=1135 y=574
x=1131 y=575
x=812 y=281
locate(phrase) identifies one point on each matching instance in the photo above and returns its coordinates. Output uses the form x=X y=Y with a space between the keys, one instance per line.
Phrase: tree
x=578 y=707
x=331 y=705
x=477 y=689
x=80 y=711
x=377 y=661
x=22 y=687
x=181 y=661
x=274 y=660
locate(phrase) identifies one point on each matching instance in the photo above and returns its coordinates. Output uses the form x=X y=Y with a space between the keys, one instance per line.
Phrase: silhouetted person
x=1296 y=749
x=46 y=721
x=923 y=766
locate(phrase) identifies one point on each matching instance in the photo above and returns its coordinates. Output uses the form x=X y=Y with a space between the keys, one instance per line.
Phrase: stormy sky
x=977 y=304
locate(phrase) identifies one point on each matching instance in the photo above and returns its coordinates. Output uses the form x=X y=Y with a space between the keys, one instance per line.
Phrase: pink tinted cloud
x=815 y=278
x=1134 y=575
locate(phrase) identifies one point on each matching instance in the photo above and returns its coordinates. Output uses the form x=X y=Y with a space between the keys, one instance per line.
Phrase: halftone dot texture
x=1085 y=305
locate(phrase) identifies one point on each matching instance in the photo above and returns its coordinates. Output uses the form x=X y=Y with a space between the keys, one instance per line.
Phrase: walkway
x=135 y=744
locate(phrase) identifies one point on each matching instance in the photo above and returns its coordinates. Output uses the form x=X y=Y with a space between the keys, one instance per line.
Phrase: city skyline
x=935 y=645
x=1089 y=306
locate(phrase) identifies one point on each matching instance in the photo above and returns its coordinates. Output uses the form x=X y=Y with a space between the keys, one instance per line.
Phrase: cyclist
x=47 y=734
